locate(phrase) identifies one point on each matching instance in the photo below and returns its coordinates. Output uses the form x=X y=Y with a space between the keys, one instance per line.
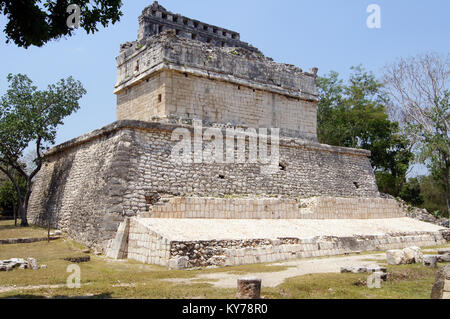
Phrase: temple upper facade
x=181 y=69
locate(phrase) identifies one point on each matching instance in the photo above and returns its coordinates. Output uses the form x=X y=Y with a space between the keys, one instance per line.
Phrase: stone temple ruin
x=116 y=189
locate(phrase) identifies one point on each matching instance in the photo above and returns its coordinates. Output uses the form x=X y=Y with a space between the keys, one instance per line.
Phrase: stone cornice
x=158 y=126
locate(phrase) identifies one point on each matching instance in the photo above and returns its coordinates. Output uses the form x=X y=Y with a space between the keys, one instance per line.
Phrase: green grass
x=438 y=247
x=99 y=277
x=104 y=278
x=404 y=282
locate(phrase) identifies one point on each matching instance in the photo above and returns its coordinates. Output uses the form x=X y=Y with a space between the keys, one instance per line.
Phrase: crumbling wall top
x=238 y=65
x=156 y=19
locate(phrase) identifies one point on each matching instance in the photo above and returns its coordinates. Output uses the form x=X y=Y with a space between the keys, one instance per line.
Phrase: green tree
x=31 y=22
x=435 y=149
x=431 y=193
x=29 y=117
x=9 y=203
x=411 y=192
x=354 y=115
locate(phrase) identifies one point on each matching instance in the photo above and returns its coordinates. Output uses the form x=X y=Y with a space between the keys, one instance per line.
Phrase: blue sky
x=328 y=34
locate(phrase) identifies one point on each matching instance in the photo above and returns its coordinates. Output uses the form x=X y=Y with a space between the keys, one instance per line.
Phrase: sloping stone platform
x=90 y=184
x=181 y=243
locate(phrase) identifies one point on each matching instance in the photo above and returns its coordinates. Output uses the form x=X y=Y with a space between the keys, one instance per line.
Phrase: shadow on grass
x=105 y=295
x=7 y=227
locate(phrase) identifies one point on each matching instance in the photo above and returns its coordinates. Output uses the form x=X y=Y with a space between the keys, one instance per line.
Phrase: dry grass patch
x=8 y=230
x=105 y=278
x=247 y=269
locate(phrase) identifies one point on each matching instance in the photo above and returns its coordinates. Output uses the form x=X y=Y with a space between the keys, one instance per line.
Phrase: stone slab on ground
x=78 y=259
x=443 y=258
x=443 y=251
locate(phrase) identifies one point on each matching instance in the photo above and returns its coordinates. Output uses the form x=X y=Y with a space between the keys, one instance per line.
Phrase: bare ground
x=296 y=268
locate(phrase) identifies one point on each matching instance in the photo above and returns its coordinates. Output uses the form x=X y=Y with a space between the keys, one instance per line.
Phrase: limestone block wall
x=144 y=101
x=90 y=184
x=311 y=170
x=274 y=208
x=349 y=208
x=147 y=246
x=221 y=102
x=81 y=184
x=174 y=93
x=441 y=286
x=243 y=252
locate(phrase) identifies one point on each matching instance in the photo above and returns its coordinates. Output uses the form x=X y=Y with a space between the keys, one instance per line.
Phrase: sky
x=328 y=34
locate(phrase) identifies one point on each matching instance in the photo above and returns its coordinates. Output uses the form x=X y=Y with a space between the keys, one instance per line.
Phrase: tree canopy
x=353 y=114
x=30 y=116
x=33 y=22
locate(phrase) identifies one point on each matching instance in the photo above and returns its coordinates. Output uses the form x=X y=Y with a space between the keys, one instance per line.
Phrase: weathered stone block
x=443 y=258
x=249 y=288
x=413 y=255
x=430 y=261
x=179 y=263
x=438 y=291
x=395 y=257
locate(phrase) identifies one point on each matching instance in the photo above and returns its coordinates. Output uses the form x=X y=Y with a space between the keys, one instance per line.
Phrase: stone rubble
x=366 y=269
x=413 y=255
x=10 y=264
x=56 y=233
x=77 y=260
x=430 y=261
x=363 y=269
x=419 y=213
x=408 y=255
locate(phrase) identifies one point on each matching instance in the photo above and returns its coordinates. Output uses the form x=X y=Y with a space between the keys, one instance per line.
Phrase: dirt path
x=297 y=267
x=4 y=289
